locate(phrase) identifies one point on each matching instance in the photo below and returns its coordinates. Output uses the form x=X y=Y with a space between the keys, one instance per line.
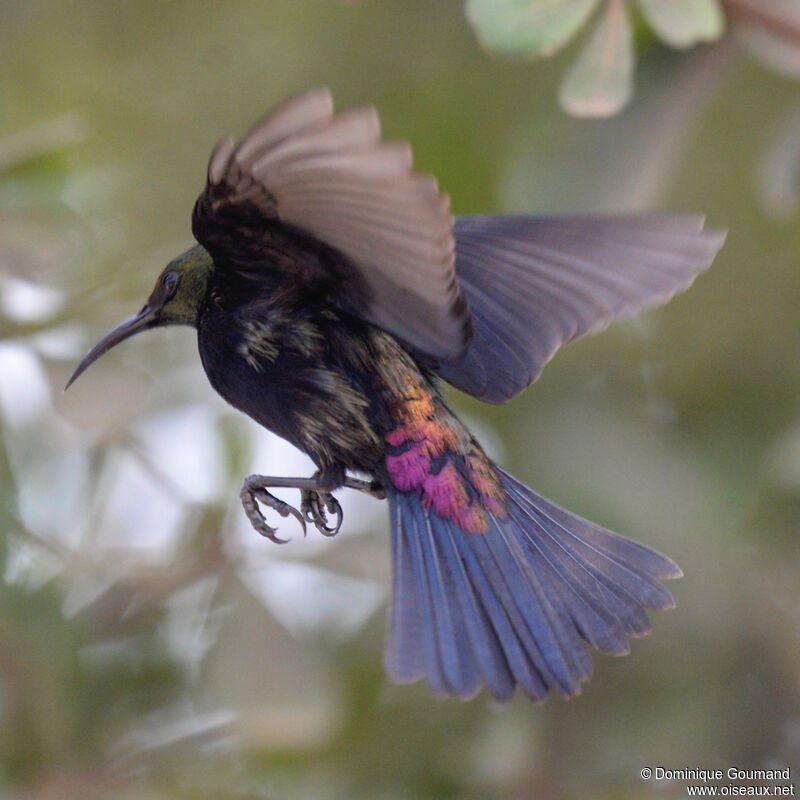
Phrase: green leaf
x=528 y=28
x=683 y=23
x=600 y=82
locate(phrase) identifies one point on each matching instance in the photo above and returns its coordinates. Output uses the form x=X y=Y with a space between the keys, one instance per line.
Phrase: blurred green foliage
x=151 y=646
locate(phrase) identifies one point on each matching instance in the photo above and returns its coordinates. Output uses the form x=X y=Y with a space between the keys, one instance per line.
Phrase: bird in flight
x=333 y=291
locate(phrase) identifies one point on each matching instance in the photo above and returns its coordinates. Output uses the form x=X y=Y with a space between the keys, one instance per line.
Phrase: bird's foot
x=253 y=492
x=316 y=501
x=316 y=505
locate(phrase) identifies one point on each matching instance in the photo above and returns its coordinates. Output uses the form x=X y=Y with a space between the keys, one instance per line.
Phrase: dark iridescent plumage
x=330 y=289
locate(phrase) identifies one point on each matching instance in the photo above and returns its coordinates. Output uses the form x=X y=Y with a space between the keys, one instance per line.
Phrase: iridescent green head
x=176 y=300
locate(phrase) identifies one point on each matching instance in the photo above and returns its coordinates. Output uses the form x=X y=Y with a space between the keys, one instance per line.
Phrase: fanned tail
x=514 y=605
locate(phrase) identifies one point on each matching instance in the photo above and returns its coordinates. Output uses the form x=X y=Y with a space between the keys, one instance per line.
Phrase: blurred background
x=151 y=644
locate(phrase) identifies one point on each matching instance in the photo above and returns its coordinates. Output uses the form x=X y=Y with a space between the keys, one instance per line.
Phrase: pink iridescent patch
x=397 y=437
x=431 y=456
x=446 y=494
x=409 y=469
x=462 y=495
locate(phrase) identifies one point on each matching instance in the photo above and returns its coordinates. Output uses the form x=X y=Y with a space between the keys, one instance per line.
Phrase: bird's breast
x=279 y=370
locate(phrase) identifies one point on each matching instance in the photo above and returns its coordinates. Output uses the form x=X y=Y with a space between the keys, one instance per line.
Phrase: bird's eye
x=170 y=282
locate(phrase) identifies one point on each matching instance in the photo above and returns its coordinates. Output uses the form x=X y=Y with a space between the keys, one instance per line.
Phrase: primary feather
x=535 y=283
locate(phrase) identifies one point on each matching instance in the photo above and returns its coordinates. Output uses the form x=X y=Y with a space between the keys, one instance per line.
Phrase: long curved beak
x=146 y=318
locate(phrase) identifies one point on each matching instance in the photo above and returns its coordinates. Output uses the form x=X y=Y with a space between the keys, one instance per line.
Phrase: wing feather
x=535 y=283
x=306 y=111
x=526 y=285
x=331 y=177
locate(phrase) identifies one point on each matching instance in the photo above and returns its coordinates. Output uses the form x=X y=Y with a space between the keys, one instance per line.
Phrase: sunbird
x=333 y=291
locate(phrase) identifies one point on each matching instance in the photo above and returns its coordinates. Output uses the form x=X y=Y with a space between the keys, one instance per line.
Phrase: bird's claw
x=283 y=508
x=316 y=505
x=251 y=495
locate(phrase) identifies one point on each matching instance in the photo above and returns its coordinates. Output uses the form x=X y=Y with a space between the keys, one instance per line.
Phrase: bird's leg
x=316 y=500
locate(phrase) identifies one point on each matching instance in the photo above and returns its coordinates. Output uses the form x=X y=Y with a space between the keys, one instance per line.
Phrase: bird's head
x=176 y=300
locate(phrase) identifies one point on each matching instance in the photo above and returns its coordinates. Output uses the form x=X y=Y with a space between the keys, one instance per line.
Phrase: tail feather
x=603 y=610
x=537 y=616
x=483 y=631
x=591 y=556
x=437 y=620
x=451 y=656
x=516 y=604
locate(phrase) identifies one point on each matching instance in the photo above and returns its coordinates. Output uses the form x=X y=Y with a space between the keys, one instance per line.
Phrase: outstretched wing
x=535 y=283
x=304 y=170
